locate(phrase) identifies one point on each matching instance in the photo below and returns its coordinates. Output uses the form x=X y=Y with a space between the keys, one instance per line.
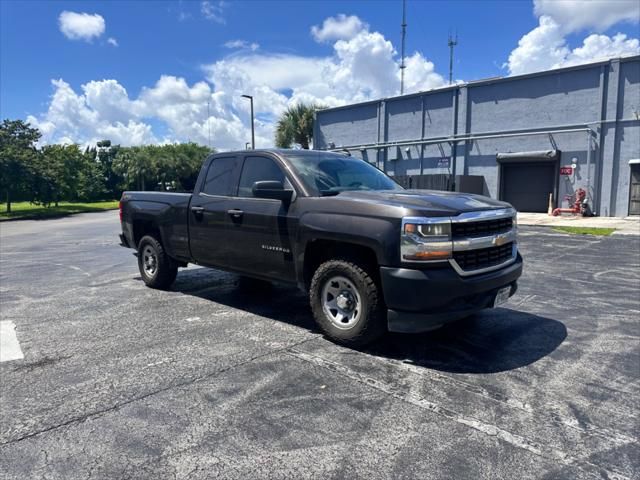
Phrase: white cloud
x=546 y=46
x=81 y=26
x=340 y=27
x=105 y=110
x=597 y=47
x=71 y=116
x=112 y=41
x=575 y=15
x=278 y=71
x=107 y=98
x=366 y=65
x=363 y=67
x=540 y=49
x=242 y=44
x=420 y=74
x=213 y=11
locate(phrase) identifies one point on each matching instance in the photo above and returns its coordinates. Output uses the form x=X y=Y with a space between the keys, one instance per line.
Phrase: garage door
x=527 y=186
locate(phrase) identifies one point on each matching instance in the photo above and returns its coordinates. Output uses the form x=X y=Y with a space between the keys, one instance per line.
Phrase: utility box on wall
x=471 y=184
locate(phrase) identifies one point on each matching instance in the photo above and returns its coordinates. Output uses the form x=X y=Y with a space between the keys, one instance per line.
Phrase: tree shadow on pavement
x=491 y=341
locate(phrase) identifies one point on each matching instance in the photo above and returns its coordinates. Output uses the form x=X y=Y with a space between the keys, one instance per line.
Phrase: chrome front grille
x=483 y=258
x=483 y=241
x=482 y=228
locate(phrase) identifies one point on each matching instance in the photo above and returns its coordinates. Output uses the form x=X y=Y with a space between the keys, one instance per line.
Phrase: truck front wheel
x=347 y=303
x=157 y=269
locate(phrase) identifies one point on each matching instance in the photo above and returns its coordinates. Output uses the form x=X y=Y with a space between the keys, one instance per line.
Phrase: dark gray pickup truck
x=372 y=256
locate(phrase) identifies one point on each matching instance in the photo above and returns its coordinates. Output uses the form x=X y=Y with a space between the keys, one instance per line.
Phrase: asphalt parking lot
x=216 y=379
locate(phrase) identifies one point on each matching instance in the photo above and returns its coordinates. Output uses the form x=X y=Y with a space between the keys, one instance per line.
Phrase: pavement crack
x=518 y=441
x=104 y=411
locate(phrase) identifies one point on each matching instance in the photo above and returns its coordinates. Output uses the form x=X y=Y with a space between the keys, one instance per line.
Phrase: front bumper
x=422 y=300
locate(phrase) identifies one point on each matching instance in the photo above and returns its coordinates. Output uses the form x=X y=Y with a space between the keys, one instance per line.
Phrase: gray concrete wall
x=603 y=97
x=628 y=132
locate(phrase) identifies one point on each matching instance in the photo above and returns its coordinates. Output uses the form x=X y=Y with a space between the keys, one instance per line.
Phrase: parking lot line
x=9 y=345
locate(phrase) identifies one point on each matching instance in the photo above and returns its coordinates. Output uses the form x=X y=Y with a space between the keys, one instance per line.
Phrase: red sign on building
x=566 y=170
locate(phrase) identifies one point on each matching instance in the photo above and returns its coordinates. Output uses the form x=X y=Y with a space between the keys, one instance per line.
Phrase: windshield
x=331 y=173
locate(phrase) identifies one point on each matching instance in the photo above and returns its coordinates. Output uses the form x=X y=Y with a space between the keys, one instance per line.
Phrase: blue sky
x=138 y=71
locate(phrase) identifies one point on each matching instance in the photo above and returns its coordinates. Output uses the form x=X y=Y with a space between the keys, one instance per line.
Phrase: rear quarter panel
x=168 y=212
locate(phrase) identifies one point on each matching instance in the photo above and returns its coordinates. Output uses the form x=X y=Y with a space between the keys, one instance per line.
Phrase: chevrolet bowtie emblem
x=500 y=240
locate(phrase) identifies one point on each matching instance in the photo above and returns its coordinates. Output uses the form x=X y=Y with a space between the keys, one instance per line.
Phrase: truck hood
x=433 y=202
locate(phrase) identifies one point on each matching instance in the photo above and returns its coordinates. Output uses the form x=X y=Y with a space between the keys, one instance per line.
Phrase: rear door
x=261 y=228
x=208 y=213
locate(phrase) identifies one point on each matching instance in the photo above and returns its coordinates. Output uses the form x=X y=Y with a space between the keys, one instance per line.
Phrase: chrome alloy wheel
x=341 y=302
x=149 y=260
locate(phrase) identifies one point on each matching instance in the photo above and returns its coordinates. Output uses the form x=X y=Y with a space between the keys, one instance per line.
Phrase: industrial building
x=524 y=139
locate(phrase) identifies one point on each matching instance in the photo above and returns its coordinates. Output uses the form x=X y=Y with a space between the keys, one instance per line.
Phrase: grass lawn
x=586 y=230
x=24 y=210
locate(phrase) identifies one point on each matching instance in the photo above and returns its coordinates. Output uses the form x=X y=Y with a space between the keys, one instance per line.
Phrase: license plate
x=502 y=296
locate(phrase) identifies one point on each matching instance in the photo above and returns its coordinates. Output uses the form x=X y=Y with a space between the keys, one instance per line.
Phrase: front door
x=208 y=214
x=634 y=187
x=261 y=228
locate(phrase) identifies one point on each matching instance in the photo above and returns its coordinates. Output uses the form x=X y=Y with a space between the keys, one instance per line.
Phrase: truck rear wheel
x=347 y=303
x=157 y=269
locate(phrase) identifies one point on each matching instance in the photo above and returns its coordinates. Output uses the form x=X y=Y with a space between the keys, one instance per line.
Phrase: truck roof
x=279 y=151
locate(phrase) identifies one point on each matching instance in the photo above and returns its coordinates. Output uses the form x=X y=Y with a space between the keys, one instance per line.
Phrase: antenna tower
x=452 y=43
x=404 y=34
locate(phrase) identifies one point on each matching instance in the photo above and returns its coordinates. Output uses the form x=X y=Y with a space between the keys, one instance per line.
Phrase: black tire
x=372 y=320
x=166 y=269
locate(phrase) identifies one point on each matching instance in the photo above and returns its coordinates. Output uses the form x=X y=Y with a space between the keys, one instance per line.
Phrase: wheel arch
x=143 y=227
x=320 y=235
x=320 y=250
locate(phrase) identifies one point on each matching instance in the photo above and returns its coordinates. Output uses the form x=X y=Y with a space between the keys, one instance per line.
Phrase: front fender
x=379 y=234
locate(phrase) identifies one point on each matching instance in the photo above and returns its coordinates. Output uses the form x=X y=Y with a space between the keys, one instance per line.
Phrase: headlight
x=425 y=239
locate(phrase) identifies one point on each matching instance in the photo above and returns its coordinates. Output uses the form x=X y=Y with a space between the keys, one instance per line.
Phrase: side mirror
x=271 y=189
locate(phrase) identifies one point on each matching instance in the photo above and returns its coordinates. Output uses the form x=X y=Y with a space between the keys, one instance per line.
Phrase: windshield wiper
x=329 y=193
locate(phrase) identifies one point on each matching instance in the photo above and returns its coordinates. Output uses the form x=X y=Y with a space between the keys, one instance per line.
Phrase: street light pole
x=253 y=137
x=209 y=123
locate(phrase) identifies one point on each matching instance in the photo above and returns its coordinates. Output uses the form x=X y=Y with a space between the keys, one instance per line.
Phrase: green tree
x=183 y=164
x=91 y=181
x=136 y=167
x=58 y=174
x=17 y=153
x=296 y=126
x=106 y=154
x=160 y=167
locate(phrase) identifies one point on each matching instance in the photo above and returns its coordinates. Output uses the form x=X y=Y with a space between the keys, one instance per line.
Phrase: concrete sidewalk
x=623 y=226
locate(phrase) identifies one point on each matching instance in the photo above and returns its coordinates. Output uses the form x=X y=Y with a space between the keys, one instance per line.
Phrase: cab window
x=257 y=169
x=220 y=176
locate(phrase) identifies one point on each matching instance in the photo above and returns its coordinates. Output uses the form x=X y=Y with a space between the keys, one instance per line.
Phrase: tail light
x=120 y=209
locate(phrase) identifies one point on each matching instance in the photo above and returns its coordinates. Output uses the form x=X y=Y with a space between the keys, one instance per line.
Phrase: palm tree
x=296 y=126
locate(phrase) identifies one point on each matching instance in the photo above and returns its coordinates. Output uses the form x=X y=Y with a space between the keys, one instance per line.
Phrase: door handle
x=235 y=213
x=197 y=210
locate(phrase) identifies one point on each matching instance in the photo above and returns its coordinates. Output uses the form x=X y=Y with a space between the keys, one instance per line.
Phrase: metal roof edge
x=488 y=81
